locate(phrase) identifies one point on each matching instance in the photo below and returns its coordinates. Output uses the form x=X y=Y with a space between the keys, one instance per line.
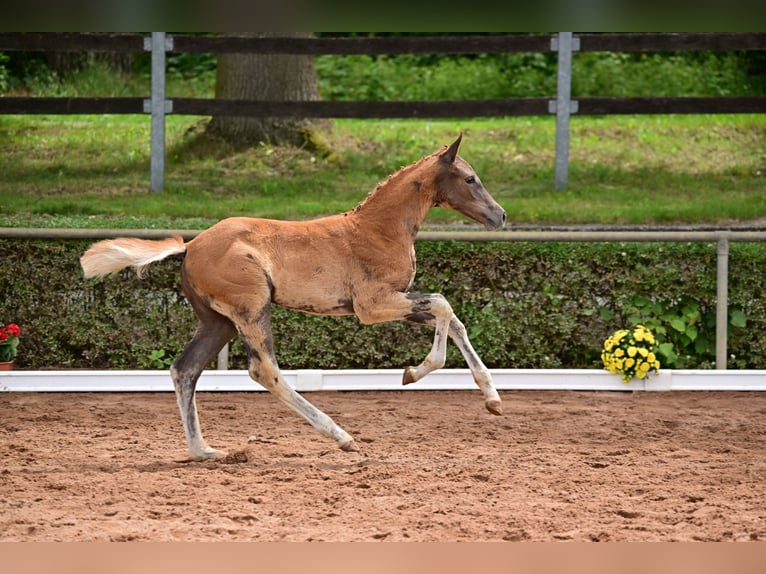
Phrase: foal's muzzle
x=495 y=219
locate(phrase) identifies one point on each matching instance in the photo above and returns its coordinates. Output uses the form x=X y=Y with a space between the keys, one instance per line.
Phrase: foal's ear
x=451 y=153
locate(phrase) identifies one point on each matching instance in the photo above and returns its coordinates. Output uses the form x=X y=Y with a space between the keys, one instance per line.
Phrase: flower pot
x=6 y=365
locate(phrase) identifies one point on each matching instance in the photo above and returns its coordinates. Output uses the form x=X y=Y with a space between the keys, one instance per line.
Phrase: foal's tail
x=112 y=255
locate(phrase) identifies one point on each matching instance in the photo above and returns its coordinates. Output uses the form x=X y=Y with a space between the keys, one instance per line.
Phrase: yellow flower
x=630 y=353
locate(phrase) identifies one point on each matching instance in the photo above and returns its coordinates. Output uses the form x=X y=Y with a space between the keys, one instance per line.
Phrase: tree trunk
x=266 y=77
x=65 y=63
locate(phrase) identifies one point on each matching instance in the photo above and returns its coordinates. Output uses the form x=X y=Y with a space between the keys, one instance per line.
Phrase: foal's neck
x=398 y=206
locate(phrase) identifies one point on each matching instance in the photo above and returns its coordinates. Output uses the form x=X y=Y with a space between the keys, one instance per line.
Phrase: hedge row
x=526 y=305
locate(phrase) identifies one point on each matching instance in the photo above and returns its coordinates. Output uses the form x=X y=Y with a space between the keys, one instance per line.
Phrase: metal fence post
x=157 y=106
x=222 y=363
x=722 y=303
x=563 y=105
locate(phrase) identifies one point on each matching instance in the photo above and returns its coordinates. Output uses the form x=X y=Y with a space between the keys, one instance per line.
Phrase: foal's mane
x=395 y=178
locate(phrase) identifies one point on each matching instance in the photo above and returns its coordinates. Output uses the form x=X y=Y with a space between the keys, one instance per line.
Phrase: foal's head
x=459 y=188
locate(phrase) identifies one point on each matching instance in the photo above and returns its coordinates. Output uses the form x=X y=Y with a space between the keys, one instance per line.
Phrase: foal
x=361 y=263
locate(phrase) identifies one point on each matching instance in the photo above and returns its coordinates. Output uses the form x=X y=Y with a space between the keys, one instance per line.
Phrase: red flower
x=13 y=329
x=3 y=335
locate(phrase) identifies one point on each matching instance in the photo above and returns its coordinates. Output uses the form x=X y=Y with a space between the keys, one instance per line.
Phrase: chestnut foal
x=361 y=263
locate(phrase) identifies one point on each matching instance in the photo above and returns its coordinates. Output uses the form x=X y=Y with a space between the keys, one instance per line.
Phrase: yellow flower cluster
x=631 y=353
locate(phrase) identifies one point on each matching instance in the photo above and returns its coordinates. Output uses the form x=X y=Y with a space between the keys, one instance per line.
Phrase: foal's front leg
x=433 y=310
x=481 y=374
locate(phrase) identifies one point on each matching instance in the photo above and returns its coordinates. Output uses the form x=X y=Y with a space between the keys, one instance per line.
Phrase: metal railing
x=721 y=237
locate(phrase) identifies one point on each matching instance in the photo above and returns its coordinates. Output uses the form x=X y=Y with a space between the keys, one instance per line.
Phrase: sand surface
x=434 y=466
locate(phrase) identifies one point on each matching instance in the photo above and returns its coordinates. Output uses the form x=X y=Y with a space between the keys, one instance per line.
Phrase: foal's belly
x=340 y=308
x=314 y=295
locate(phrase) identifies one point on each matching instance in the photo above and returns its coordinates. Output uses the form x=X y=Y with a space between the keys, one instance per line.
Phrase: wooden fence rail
x=394 y=109
x=541 y=43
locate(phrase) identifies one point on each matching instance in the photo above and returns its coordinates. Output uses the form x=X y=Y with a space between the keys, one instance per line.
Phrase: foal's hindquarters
x=227 y=303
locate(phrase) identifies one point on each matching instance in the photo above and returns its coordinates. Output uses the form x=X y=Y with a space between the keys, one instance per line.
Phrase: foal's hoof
x=409 y=376
x=349 y=446
x=206 y=454
x=495 y=407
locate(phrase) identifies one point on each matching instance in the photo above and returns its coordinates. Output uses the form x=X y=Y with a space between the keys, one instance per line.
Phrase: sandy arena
x=434 y=466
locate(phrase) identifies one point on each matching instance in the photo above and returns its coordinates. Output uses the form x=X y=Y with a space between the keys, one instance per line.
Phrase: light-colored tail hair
x=112 y=255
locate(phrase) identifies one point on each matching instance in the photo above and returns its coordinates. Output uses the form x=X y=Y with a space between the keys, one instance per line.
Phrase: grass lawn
x=93 y=171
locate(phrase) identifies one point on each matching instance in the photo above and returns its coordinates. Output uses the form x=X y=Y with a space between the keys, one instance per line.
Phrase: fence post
x=222 y=364
x=563 y=105
x=722 y=303
x=157 y=106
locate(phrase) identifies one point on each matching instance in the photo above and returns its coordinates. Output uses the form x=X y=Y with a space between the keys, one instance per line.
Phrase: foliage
x=416 y=77
x=525 y=305
x=662 y=74
x=685 y=327
x=159 y=359
x=9 y=342
x=631 y=353
x=487 y=76
x=4 y=79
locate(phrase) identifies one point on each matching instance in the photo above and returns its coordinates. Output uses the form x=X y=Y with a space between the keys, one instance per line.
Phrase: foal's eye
x=470 y=179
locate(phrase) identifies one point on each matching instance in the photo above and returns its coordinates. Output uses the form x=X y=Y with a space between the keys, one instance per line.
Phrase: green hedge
x=526 y=305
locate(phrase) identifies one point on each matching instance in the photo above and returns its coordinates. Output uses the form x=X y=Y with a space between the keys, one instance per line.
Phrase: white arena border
x=386 y=380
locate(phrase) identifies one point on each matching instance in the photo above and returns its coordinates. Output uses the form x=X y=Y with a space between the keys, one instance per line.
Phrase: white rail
x=385 y=380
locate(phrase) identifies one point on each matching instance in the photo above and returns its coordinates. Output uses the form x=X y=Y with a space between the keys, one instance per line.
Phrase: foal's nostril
x=503 y=219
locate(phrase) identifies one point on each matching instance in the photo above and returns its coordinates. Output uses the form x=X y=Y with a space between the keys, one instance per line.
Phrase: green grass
x=93 y=171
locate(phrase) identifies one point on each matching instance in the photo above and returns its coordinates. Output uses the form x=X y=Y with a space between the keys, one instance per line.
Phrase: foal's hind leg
x=213 y=332
x=186 y=370
x=263 y=369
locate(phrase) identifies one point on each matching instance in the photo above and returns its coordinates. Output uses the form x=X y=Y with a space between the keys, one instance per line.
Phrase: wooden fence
x=563 y=43
x=635 y=42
